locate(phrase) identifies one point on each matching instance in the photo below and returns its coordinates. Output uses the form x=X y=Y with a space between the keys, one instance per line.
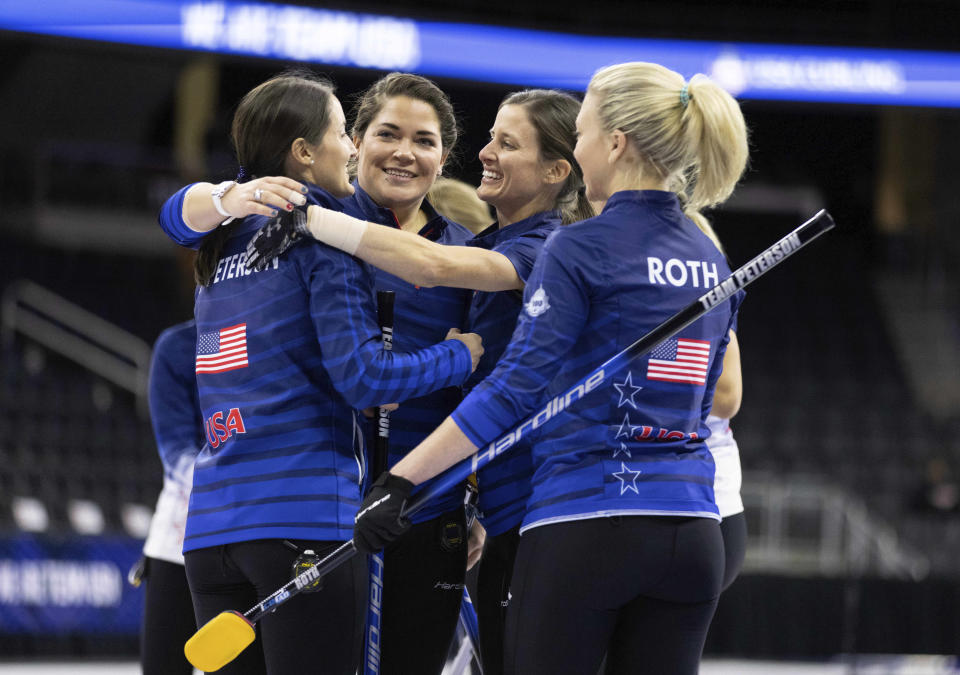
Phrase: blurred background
x=850 y=427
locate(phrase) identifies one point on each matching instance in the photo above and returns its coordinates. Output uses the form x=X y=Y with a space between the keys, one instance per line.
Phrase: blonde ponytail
x=717 y=132
x=690 y=134
x=700 y=221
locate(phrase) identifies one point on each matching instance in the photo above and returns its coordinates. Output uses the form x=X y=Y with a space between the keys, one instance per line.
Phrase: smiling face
x=514 y=176
x=593 y=150
x=335 y=151
x=400 y=154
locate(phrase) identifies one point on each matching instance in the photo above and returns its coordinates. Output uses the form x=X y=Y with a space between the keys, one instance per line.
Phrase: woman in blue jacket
x=534 y=183
x=404 y=130
x=284 y=359
x=175 y=417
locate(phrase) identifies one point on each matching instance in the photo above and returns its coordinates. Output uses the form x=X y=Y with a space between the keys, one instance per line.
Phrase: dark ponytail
x=295 y=104
x=581 y=208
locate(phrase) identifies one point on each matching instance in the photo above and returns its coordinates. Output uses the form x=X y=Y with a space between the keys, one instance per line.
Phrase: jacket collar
x=494 y=234
x=660 y=199
x=375 y=213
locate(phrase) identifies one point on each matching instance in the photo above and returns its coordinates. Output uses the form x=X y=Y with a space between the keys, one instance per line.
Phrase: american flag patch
x=680 y=360
x=222 y=350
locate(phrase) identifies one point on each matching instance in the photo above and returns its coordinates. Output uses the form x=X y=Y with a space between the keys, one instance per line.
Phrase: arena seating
x=71 y=437
x=68 y=434
x=823 y=388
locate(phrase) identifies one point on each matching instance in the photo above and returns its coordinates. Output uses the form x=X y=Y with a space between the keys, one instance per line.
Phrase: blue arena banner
x=492 y=53
x=68 y=585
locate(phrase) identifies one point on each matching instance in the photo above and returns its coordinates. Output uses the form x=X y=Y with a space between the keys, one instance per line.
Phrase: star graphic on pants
x=623 y=449
x=626 y=430
x=627 y=483
x=622 y=388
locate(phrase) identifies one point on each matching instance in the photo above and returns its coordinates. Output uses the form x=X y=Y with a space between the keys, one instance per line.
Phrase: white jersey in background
x=726 y=456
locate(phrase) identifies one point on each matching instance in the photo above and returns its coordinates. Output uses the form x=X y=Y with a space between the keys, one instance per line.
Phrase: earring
x=311 y=161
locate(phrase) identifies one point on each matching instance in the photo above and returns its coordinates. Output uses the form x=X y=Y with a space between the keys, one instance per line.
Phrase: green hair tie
x=685 y=94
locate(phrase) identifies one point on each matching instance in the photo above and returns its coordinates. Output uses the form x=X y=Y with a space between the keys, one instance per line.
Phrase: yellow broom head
x=219 y=641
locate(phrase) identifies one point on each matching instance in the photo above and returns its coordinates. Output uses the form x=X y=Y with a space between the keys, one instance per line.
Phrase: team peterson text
x=751 y=271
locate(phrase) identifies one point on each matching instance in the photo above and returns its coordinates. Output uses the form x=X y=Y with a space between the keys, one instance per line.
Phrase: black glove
x=275 y=237
x=379 y=522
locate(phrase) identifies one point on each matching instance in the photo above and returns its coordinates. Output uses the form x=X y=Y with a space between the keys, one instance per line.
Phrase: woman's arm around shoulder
x=197 y=209
x=411 y=257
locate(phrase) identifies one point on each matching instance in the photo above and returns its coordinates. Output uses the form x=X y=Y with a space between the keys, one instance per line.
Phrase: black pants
x=317 y=632
x=641 y=589
x=493 y=586
x=422 y=587
x=168 y=620
x=734 y=531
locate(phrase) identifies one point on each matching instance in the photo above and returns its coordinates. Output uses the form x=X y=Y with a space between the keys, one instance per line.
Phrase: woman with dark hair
x=294 y=107
x=404 y=131
x=620 y=550
x=534 y=183
x=285 y=358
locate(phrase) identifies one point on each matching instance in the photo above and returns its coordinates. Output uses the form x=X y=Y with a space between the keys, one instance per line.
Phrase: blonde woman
x=459 y=202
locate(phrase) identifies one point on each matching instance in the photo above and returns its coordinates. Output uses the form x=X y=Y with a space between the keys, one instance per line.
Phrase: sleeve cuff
x=518 y=266
x=463 y=362
x=172 y=222
x=480 y=427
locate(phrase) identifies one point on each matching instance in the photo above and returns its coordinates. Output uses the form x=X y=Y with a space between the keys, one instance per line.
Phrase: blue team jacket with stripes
x=422 y=317
x=505 y=483
x=285 y=358
x=634 y=446
x=172 y=223
x=174 y=408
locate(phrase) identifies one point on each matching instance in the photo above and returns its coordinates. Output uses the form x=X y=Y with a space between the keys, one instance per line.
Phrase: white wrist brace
x=217 y=194
x=336 y=229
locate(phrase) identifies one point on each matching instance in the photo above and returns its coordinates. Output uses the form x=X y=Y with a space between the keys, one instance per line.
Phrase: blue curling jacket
x=422 y=317
x=505 y=483
x=633 y=446
x=174 y=409
x=284 y=359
